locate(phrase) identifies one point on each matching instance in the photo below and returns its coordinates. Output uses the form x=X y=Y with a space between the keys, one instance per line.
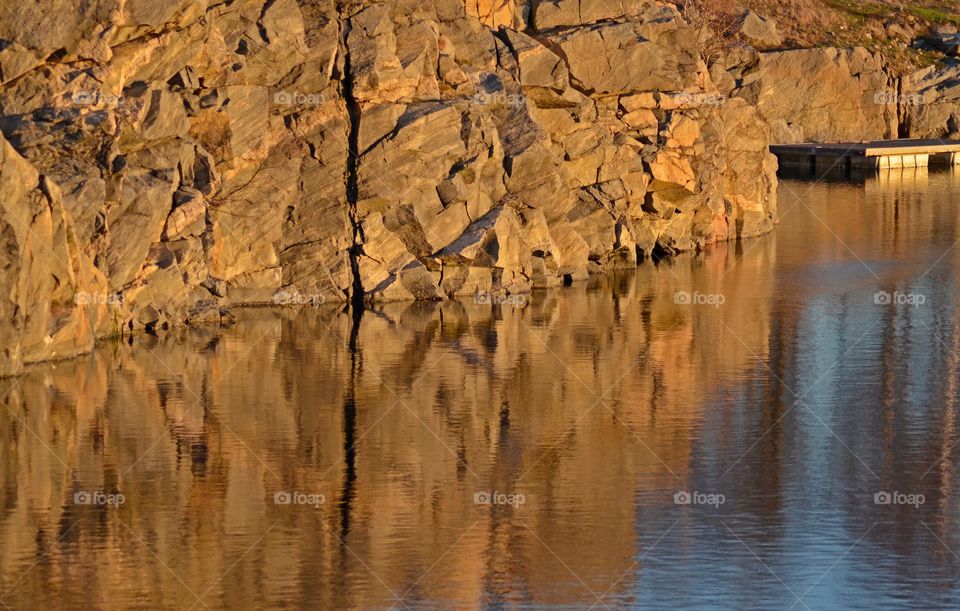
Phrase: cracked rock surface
x=843 y=95
x=162 y=160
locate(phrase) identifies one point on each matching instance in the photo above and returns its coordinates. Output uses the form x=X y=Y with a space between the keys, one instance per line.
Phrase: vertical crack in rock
x=352 y=180
x=903 y=117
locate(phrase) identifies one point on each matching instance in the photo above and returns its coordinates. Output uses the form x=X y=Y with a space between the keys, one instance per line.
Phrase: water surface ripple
x=766 y=425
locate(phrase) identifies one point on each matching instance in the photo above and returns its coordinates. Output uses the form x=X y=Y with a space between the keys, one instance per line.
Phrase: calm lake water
x=711 y=431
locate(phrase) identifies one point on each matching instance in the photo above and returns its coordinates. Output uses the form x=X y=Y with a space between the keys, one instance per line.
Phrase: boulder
x=759 y=31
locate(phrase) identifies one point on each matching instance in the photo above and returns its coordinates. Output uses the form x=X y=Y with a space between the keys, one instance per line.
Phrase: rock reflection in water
x=795 y=396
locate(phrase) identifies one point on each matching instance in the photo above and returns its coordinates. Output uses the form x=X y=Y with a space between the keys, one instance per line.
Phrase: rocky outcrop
x=821 y=95
x=930 y=108
x=176 y=157
x=46 y=280
x=843 y=95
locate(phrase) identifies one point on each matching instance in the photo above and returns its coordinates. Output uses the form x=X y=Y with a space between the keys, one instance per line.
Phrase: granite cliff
x=161 y=160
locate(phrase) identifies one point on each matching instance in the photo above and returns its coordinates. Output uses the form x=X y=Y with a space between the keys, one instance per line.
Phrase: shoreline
x=236 y=312
x=509 y=151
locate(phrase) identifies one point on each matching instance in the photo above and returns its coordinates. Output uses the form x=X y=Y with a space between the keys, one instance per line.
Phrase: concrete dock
x=879 y=155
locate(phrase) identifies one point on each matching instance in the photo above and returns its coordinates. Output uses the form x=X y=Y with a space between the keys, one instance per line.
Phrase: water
x=783 y=395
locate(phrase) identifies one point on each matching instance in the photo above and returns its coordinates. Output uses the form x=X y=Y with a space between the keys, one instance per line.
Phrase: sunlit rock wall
x=198 y=155
x=843 y=95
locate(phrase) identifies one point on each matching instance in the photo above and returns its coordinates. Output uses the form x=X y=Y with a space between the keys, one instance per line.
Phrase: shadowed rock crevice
x=353 y=157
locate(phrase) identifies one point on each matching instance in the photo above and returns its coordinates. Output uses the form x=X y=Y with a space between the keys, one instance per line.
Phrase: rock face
x=835 y=95
x=162 y=160
x=931 y=106
x=42 y=272
x=822 y=95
